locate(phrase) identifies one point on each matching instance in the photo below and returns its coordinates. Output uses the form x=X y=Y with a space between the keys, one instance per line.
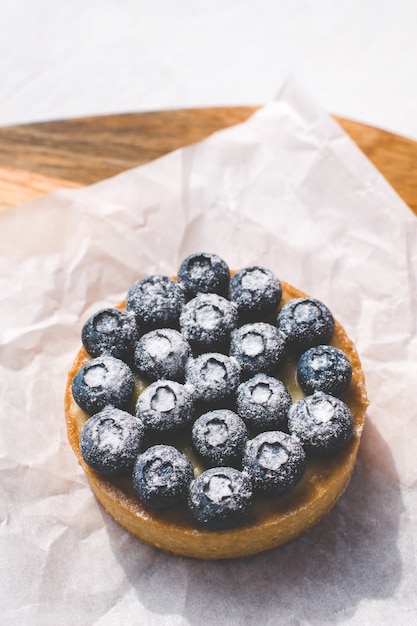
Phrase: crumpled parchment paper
x=288 y=190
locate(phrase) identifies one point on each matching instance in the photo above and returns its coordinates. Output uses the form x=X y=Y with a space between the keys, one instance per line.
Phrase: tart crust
x=271 y=522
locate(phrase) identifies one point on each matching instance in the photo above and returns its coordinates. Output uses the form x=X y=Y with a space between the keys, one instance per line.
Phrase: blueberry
x=322 y=422
x=220 y=498
x=324 y=368
x=256 y=291
x=110 y=331
x=161 y=476
x=204 y=273
x=263 y=403
x=162 y=353
x=111 y=441
x=305 y=322
x=274 y=461
x=214 y=377
x=156 y=302
x=102 y=381
x=207 y=320
x=259 y=347
x=219 y=437
x=165 y=405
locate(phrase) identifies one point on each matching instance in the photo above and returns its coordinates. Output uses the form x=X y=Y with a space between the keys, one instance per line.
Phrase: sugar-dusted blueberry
x=322 y=422
x=324 y=368
x=156 y=302
x=111 y=441
x=219 y=437
x=110 y=331
x=162 y=476
x=165 y=405
x=162 y=353
x=204 y=273
x=207 y=320
x=259 y=347
x=213 y=376
x=305 y=322
x=256 y=291
x=102 y=381
x=274 y=461
x=263 y=403
x=220 y=498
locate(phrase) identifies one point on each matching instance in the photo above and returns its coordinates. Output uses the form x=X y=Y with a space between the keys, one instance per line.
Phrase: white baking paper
x=288 y=190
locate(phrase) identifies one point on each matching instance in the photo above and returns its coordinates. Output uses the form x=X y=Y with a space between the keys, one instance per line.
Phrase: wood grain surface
x=38 y=158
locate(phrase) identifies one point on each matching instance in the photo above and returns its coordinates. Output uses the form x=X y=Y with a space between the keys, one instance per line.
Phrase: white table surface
x=358 y=59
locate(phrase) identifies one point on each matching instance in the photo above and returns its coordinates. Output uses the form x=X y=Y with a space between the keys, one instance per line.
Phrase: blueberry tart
x=210 y=448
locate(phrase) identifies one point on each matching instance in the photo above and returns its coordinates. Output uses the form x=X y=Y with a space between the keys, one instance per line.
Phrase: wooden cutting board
x=38 y=158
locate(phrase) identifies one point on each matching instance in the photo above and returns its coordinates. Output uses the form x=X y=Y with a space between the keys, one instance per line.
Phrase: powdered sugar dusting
x=216 y=433
x=208 y=316
x=95 y=376
x=319 y=362
x=306 y=311
x=157 y=472
x=199 y=267
x=106 y=322
x=261 y=393
x=219 y=437
x=110 y=435
x=321 y=412
x=156 y=301
x=254 y=279
x=263 y=403
x=214 y=371
x=252 y=344
x=165 y=405
x=107 y=371
x=321 y=421
x=259 y=347
x=214 y=376
x=218 y=488
x=163 y=400
x=207 y=320
x=272 y=456
x=162 y=353
x=157 y=345
x=275 y=461
x=111 y=440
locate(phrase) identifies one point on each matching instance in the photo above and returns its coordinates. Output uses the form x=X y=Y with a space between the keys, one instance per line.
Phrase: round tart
x=272 y=521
